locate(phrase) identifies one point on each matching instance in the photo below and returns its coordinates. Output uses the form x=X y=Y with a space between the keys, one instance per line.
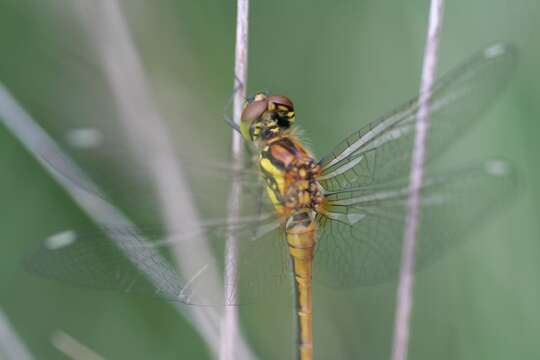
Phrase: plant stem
x=406 y=277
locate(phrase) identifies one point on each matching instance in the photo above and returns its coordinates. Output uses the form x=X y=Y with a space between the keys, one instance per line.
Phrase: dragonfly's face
x=266 y=117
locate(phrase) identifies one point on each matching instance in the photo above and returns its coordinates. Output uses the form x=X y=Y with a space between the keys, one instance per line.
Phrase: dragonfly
x=337 y=220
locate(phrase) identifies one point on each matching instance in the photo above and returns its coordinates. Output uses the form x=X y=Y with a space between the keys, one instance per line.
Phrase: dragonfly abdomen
x=290 y=174
x=300 y=229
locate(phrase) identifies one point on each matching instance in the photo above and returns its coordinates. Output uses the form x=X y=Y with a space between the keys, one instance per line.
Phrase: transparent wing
x=360 y=240
x=135 y=260
x=381 y=150
x=140 y=184
x=122 y=257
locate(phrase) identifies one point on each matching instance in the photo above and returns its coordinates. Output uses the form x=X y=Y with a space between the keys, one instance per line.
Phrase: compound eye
x=254 y=110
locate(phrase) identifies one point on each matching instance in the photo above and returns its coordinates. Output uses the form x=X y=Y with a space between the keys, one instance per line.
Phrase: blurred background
x=343 y=64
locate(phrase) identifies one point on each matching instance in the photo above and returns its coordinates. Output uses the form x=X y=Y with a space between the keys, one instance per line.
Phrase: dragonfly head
x=266 y=117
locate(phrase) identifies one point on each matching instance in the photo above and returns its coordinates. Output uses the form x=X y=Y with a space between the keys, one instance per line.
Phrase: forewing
x=382 y=150
x=136 y=260
x=138 y=188
x=360 y=239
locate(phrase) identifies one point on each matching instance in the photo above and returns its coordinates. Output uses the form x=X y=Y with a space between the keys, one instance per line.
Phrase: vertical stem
x=230 y=328
x=406 y=276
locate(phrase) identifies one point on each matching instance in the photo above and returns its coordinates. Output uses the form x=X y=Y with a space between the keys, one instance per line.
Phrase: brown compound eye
x=254 y=110
x=251 y=114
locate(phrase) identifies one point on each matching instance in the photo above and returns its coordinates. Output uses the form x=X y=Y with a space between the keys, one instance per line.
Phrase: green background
x=343 y=64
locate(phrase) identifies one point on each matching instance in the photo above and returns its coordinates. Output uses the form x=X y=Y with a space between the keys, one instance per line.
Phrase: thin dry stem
x=406 y=277
x=231 y=328
x=11 y=346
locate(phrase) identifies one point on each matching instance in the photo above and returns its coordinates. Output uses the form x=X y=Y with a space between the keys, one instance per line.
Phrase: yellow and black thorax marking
x=289 y=173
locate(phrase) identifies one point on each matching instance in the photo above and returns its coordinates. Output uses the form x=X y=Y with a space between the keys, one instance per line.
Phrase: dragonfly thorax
x=290 y=174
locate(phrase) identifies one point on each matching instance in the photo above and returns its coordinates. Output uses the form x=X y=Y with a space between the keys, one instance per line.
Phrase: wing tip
x=498 y=167
x=501 y=50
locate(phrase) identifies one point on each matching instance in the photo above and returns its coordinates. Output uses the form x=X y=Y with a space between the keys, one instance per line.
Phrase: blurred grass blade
x=73 y=348
x=11 y=346
x=139 y=114
x=42 y=146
